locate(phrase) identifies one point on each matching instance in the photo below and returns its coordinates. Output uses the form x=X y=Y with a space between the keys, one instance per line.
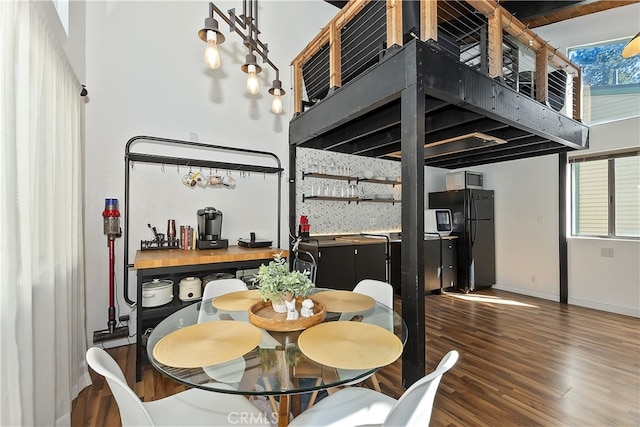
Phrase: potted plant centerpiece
x=277 y=284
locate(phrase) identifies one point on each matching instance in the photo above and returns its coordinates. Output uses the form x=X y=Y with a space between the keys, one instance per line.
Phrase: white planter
x=279 y=307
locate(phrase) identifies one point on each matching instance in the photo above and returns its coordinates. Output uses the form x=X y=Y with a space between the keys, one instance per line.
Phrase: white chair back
x=215 y=288
x=132 y=411
x=380 y=291
x=231 y=371
x=416 y=404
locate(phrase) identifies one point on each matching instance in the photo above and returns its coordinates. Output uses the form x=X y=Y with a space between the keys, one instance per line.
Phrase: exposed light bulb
x=276 y=105
x=253 y=87
x=211 y=54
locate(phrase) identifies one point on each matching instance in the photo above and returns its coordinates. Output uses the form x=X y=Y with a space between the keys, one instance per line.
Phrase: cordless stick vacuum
x=111 y=217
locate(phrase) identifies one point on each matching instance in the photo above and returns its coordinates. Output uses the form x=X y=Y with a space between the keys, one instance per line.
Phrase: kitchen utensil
x=155 y=233
x=157 y=236
x=190 y=289
x=190 y=179
x=228 y=181
x=157 y=292
x=171 y=229
x=215 y=180
x=201 y=180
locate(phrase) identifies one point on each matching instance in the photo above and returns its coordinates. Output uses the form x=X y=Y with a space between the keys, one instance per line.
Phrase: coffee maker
x=210 y=229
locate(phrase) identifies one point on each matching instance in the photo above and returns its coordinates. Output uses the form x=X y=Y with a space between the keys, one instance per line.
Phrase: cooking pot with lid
x=190 y=289
x=157 y=292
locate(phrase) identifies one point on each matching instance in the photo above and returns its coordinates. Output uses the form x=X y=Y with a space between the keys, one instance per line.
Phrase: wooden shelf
x=334 y=199
x=380 y=181
x=349 y=178
x=328 y=176
x=349 y=199
x=394 y=201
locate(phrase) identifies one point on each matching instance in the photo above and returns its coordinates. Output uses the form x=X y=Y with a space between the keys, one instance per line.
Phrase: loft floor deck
x=469 y=118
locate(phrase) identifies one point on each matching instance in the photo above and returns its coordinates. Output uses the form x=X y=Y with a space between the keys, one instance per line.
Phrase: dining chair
x=214 y=289
x=230 y=372
x=382 y=292
x=305 y=261
x=191 y=407
x=357 y=406
x=218 y=287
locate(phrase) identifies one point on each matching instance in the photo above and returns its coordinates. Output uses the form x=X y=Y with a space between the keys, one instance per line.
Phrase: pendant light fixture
x=246 y=26
x=632 y=48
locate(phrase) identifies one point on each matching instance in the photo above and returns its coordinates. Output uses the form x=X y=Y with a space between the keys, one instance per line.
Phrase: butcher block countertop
x=178 y=257
x=346 y=240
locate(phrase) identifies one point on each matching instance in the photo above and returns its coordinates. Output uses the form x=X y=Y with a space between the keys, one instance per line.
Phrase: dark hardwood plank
x=524 y=361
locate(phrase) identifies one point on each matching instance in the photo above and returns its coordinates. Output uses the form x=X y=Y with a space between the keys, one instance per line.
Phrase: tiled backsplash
x=337 y=217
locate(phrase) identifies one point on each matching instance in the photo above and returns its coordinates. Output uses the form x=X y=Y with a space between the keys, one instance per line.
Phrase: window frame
x=610 y=157
x=623 y=89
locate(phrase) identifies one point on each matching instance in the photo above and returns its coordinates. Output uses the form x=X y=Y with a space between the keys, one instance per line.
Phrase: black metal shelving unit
x=147 y=156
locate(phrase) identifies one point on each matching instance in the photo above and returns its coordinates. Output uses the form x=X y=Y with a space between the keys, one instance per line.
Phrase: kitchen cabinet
x=342 y=264
x=432 y=267
x=176 y=264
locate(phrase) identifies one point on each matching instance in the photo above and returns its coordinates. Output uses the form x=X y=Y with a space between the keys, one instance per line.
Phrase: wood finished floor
x=524 y=361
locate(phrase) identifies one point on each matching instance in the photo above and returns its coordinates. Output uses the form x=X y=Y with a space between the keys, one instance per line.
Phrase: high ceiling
x=539 y=13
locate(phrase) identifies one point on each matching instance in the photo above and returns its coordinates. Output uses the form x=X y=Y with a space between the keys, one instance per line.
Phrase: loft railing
x=480 y=33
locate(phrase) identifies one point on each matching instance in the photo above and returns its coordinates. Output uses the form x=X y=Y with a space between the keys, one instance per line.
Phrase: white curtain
x=42 y=303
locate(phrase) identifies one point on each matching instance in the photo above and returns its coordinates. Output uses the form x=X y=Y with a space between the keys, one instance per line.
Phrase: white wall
x=527 y=202
x=146 y=76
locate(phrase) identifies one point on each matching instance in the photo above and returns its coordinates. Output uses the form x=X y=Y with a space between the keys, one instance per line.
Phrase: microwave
x=438 y=221
x=464 y=179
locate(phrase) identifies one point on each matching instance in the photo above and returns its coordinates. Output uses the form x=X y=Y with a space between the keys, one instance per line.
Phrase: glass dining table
x=276 y=368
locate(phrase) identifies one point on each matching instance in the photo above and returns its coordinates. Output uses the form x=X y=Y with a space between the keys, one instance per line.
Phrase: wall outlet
x=372 y=221
x=534 y=278
x=606 y=252
x=193 y=136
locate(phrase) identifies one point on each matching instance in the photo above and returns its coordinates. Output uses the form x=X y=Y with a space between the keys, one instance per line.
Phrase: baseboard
x=572 y=301
x=633 y=312
x=528 y=292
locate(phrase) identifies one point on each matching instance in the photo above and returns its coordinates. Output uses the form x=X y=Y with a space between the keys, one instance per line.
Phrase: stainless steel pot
x=157 y=292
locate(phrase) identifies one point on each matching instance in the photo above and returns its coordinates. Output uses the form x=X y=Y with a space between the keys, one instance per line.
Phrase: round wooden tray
x=262 y=315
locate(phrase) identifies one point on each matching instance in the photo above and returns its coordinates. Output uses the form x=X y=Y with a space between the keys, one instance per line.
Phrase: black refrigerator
x=472 y=212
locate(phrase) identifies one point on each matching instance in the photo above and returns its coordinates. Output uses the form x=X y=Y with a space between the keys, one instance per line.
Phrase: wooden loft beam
x=428 y=20
x=330 y=34
x=495 y=43
x=297 y=86
x=394 y=23
x=335 y=57
x=542 y=78
x=517 y=29
x=577 y=96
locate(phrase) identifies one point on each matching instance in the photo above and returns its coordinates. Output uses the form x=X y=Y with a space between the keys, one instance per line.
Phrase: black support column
x=562 y=228
x=292 y=195
x=412 y=267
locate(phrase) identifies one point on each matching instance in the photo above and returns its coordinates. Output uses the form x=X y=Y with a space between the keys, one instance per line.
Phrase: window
x=606 y=194
x=610 y=83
